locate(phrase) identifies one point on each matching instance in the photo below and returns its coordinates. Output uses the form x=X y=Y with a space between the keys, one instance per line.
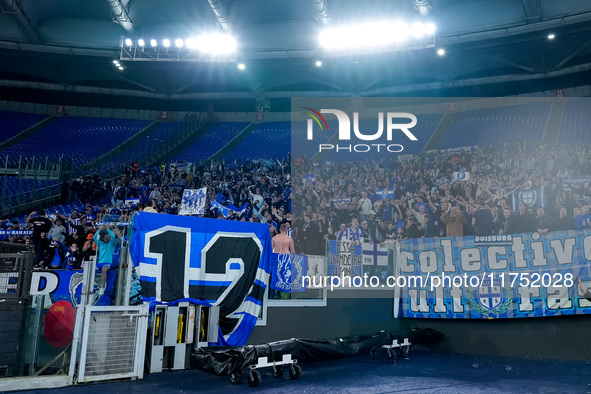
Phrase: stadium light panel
x=216 y=44
x=166 y=43
x=179 y=43
x=128 y=42
x=141 y=42
x=551 y=36
x=418 y=30
x=373 y=35
x=241 y=66
x=318 y=63
x=399 y=31
x=441 y=51
x=191 y=43
x=116 y=62
x=153 y=43
x=120 y=68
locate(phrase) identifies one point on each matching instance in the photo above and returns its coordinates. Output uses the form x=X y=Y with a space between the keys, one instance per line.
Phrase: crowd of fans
x=513 y=189
x=255 y=191
x=517 y=188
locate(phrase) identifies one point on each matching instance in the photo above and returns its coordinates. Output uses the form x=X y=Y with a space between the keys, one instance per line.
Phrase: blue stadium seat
x=79 y=139
x=211 y=142
x=497 y=126
x=270 y=140
x=576 y=122
x=12 y=123
x=146 y=145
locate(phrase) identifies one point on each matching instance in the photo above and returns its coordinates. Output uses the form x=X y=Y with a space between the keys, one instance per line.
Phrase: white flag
x=193 y=201
x=461 y=176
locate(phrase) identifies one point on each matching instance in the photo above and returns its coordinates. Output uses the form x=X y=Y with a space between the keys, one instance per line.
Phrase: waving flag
x=384 y=193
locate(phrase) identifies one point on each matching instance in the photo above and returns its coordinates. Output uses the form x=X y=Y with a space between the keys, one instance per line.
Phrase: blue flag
x=531 y=197
x=288 y=272
x=385 y=193
x=310 y=178
x=207 y=262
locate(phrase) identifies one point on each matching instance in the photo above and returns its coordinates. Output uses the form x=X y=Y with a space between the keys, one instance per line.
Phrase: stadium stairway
x=27 y=133
x=97 y=163
x=233 y=143
x=175 y=149
x=552 y=129
x=439 y=132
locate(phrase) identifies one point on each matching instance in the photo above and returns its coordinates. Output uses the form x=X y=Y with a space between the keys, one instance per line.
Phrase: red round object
x=59 y=323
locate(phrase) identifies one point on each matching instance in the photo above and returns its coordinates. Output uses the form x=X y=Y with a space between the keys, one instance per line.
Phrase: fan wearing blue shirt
x=106 y=244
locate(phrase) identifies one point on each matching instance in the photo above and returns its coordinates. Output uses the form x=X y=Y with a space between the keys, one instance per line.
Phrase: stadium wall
x=562 y=337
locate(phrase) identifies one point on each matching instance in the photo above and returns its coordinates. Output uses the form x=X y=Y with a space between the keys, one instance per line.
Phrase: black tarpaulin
x=228 y=360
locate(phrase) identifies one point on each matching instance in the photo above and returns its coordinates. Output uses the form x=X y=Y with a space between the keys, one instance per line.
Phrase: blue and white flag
x=461 y=176
x=375 y=254
x=309 y=179
x=207 y=262
x=193 y=202
x=288 y=272
x=532 y=197
x=385 y=193
x=132 y=201
x=239 y=211
x=225 y=211
x=342 y=200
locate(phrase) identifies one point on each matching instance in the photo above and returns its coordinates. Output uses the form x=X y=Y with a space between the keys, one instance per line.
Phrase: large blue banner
x=208 y=262
x=509 y=276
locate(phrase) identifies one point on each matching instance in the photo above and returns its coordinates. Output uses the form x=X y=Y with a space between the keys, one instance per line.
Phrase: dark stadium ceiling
x=62 y=51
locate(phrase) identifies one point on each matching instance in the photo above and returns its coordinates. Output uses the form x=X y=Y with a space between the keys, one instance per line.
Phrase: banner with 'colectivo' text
x=509 y=276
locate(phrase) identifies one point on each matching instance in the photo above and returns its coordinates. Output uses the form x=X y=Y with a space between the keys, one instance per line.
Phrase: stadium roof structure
x=62 y=51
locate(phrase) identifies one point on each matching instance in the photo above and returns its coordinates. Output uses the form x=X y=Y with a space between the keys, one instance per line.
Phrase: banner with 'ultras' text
x=499 y=276
x=207 y=262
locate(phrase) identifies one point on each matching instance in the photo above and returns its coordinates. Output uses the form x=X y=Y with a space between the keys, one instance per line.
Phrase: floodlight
x=216 y=44
x=418 y=30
